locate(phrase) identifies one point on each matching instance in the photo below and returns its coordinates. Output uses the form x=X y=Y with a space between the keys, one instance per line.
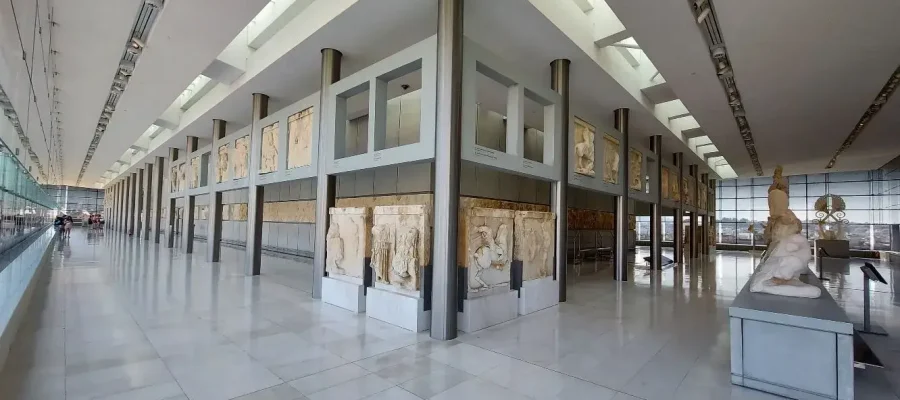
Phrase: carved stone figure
x=610 y=159
x=686 y=192
x=182 y=176
x=173 y=179
x=300 y=138
x=665 y=183
x=241 y=157
x=534 y=240
x=584 y=148
x=789 y=253
x=488 y=249
x=222 y=164
x=674 y=187
x=400 y=245
x=635 y=170
x=269 y=160
x=347 y=241
x=195 y=172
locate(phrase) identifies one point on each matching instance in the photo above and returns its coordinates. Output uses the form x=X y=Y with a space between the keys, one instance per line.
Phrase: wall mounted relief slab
x=239 y=212
x=268 y=161
x=584 y=147
x=610 y=159
x=635 y=170
x=674 y=187
x=486 y=247
x=226 y=212
x=686 y=191
x=300 y=138
x=222 y=164
x=424 y=199
x=182 y=176
x=472 y=202
x=301 y=211
x=202 y=213
x=534 y=240
x=173 y=179
x=703 y=198
x=347 y=241
x=195 y=172
x=241 y=157
x=401 y=245
x=665 y=183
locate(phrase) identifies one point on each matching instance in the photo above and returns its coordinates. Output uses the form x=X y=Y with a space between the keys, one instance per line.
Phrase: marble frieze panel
x=401 y=245
x=241 y=159
x=534 y=240
x=222 y=164
x=486 y=245
x=635 y=170
x=584 y=147
x=268 y=161
x=182 y=176
x=300 y=138
x=300 y=211
x=665 y=183
x=195 y=172
x=610 y=159
x=347 y=241
x=173 y=179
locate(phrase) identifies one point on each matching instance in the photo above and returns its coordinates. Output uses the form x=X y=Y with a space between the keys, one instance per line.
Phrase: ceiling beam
x=692 y=133
x=629 y=56
x=659 y=93
x=712 y=154
x=607 y=27
x=585 y=5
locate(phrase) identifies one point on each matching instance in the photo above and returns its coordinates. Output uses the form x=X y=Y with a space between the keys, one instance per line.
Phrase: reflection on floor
x=119 y=318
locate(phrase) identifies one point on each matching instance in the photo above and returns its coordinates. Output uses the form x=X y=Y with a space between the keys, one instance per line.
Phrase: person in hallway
x=60 y=222
x=69 y=222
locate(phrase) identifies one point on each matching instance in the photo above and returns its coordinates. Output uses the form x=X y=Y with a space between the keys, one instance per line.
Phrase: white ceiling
x=807 y=70
x=186 y=37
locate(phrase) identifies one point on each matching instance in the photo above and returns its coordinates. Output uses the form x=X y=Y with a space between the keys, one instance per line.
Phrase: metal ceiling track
x=10 y=112
x=140 y=31
x=880 y=100
x=708 y=23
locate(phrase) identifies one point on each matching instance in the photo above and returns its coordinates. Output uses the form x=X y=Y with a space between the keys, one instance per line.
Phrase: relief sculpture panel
x=173 y=179
x=635 y=170
x=686 y=192
x=182 y=178
x=665 y=183
x=241 y=157
x=702 y=198
x=222 y=164
x=487 y=247
x=610 y=159
x=584 y=147
x=268 y=162
x=534 y=240
x=401 y=245
x=674 y=187
x=300 y=138
x=195 y=172
x=347 y=241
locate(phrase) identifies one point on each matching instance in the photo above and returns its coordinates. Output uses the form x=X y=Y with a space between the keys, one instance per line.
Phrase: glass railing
x=25 y=207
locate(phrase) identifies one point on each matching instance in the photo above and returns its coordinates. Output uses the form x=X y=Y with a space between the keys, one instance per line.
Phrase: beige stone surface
x=300 y=138
x=426 y=199
x=534 y=239
x=611 y=159
x=182 y=176
x=347 y=243
x=173 y=179
x=234 y=212
x=226 y=212
x=241 y=159
x=636 y=170
x=487 y=248
x=674 y=187
x=401 y=244
x=290 y=211
x=584 y=147
x=222 y=164
x=702 y=200
x=195 y=172
x=268 y=161
x=665 y=183
x=687 y=188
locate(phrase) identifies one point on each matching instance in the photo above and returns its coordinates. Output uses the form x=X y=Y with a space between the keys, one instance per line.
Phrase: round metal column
x=620 y=269
x=559 y=71
x=656 y=232
x=678 y=160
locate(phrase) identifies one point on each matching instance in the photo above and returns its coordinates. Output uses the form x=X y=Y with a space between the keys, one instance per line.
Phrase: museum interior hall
x=449 y=199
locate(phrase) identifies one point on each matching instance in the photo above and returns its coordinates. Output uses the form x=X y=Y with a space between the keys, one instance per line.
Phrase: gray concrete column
x=255 y=191
x=148 y=201
x=656 y=229
x=711 y=202
x=678 y=160
x=120 y=213
x=325 y=184
x=448 y=140
x=620 y=269
x=132 y=204
x=692 y=218
x=139 y=209
x=559 y=82
x=214 y=221
x=160 y=189
x=187 y=230
x=704 y=219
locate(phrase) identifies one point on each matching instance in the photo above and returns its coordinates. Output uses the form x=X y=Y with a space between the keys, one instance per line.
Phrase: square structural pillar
x=255 y=191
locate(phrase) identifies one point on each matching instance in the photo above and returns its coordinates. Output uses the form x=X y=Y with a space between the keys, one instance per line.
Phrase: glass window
x=858 y=235
x=744 y=216
x=797 y=179
x=727 y=215
x=727 y=183
x=744 y=204
x=857 y=202
x=815 y=178
x=849 y=188
x=760 y=191
x=727 y=192
x=797 y=189
x=743 y=182
x=761 y=204
x=882 y=234
x=858 y=216
x=728 y=204
x=797 y=203
x=744 y=192
x=727 y=232
x=859 y=176
x=763 y=181
x=815 y=189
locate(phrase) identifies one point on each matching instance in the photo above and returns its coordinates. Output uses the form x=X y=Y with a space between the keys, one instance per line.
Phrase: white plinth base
x=538 y=294
x=344 y=294
x=397 y=309
x=482 y=312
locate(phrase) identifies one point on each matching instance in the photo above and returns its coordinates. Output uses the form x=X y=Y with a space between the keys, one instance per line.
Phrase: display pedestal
x=794 y=347
x=405 y=311
x=344 y=292
x=833 y=248
x=490 y=310
x=538 y=294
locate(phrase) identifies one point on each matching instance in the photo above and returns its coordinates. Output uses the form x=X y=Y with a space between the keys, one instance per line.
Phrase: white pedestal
x=398 y=309
x=538 y=294
x=344 y=293
x=485 y=311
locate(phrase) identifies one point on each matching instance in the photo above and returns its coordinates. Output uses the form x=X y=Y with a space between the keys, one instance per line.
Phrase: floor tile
x=280 y=392
x=162 y=391
x=436 y=382
x=328 y=378
x=358 y=388
x=477 y=389
x=394 y=393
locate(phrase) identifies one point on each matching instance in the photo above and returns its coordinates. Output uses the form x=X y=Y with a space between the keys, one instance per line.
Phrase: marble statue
x=173 y=179
x=347 y=244
x=182 y=176
x=222 y=164
x=195 y=172
x=534 y=239
x=400 y=245
x=584 y=148
x=269 y=160
x=789 y=252
x=635 y=170
x=610 y=159
x=489 y=241
x=664 y=177
x=241 y=157
x=300 y=138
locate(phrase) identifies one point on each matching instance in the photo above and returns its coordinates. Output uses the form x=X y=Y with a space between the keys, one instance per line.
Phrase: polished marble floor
x=119 y=318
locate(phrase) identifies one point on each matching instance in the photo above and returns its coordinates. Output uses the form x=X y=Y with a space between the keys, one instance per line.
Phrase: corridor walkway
x=120 y=318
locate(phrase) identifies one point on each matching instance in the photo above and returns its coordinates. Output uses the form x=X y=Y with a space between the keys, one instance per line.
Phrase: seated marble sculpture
x=789 y=252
